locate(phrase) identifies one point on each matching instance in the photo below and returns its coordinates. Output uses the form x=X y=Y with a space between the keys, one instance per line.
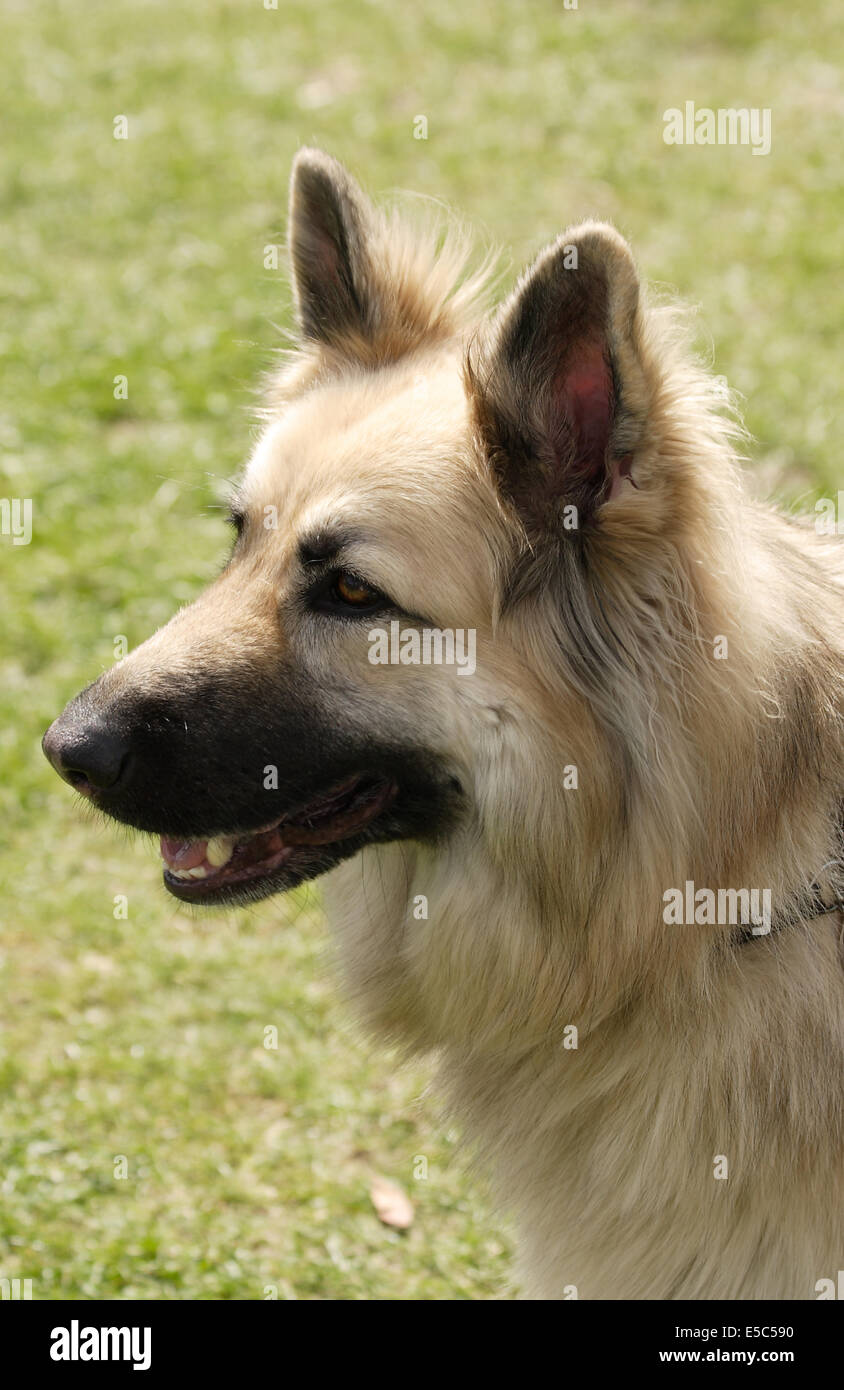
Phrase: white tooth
x=219 y=850
x=198 y=872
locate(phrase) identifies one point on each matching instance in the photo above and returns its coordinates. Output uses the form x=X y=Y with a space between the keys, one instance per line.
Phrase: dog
x=534 y=867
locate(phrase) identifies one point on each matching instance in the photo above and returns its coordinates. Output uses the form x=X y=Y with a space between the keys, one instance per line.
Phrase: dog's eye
x=354 y=592
x=345 y=593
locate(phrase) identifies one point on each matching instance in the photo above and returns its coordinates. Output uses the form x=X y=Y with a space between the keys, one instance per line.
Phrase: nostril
x=90 y=759
x=77 y=779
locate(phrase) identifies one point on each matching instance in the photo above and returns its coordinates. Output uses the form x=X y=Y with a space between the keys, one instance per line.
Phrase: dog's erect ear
x=330 y=218
x=372 y=286
x=560 y=395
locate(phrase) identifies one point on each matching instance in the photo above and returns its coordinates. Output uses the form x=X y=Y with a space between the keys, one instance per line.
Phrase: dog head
x=500 y=483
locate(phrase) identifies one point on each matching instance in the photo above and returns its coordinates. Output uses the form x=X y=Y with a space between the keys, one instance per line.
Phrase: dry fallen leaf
x=392 y=1206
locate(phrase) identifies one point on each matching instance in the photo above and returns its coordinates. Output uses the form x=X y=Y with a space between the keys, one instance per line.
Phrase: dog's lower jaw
x=276 y=858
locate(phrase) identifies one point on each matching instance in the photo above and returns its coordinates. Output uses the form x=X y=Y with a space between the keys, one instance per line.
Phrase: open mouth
x=299 y=845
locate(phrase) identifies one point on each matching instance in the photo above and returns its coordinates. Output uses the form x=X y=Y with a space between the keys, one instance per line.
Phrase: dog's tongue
x=183 y=854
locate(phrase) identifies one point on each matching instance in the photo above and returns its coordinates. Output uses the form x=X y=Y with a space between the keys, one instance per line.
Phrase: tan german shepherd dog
x=543 y=864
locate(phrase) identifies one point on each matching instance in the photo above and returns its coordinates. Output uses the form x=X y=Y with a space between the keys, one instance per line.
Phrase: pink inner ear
x=586 y=403
x=323 y=256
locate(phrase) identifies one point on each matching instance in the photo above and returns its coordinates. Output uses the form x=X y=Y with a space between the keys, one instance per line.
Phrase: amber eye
x=346 y=595
x=353 y=591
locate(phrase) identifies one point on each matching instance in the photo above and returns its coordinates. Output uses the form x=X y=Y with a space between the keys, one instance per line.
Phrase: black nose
x=89 y=757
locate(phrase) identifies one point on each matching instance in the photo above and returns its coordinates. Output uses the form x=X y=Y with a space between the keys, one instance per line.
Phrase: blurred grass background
x=144 y=257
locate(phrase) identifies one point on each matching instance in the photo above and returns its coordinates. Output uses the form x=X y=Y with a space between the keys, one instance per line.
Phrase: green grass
x=143 y=1036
